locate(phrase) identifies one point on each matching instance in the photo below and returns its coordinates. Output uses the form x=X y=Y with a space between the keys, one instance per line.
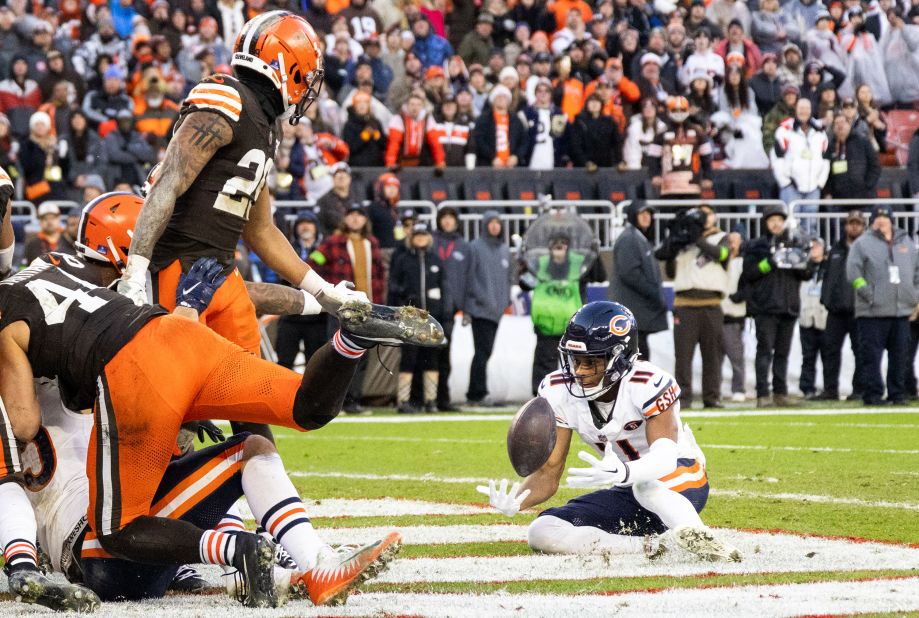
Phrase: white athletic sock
x=673 y=508
x=217 y=547
x=17 y=527
x=232 y=522
x=346 y=347
x=553 y=535
x=277 y=507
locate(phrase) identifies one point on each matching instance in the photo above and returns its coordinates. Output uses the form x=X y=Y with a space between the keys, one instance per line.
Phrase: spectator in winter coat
x=44 y=169
x=103 y=43
x=101 y=107
x=703 y=61
x=739 y=124
x=49 y=236
x=866 y=59
x=838 y=297
x=57 y=71
x=499 y=136
x=804 y=12
x=723 y=12
x=413 y=136
x=453 y=251
x=737 y=43
x=311 y=158
x=697 y=20
x=773 y=299
x=773 y=28
x=19 y=98
x=900 y=45
x=85 y=151
x=352 y=254
x=636 y=276
x=384 y=213
x=595 y=138
x=883 y=269
x=812 y=324
x=817 y=78
x=364 y=134
x=416 y=278
x=824 y=47
x=767 y=89
x=784 y=108
x=854 y=165
x=791 y=71
x=870 y=121
x=129 y=154
x=454 y=132
x=488 y=291
x=431 y=49
x=333 y=205
x=798 y=164
x=644 y=128
x=548 y=134
x=476 y=46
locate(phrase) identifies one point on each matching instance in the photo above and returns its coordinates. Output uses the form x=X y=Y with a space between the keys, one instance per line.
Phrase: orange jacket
x=408 y=138
x=572 y=97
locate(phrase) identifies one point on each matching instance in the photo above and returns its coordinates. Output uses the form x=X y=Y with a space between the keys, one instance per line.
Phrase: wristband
x=136 y=269
x=311 y=306
x=313 y=283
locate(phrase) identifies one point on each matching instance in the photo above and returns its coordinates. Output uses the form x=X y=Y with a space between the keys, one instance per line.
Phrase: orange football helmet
x=284 y=48
x=106 y=228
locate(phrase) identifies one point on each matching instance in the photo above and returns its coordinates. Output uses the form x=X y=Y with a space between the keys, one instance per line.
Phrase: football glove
x=137 y=292
x=197 y=287
x=507 y=502
x=211 y=431
x=604 y=472
x=333 y=297
x=133 y=282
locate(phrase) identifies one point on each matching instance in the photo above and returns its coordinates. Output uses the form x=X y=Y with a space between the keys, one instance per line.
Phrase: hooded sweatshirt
x=488 y=282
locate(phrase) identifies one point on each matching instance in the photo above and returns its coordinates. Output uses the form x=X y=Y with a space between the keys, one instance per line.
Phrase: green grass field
x=846 y=475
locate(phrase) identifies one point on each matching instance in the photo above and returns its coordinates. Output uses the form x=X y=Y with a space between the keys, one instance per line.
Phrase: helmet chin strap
x=120 y=262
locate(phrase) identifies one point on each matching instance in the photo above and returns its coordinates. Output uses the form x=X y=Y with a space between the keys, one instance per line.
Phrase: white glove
x=133 y=282
x=508 y=502
x=604 y=472
x=330 y=297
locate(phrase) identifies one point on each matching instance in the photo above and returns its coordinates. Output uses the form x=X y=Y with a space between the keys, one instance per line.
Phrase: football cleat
x=188 y=580
x=700 y=542
x=254 y=562
x=35 y=587
x=390 y=325
x=341 y=570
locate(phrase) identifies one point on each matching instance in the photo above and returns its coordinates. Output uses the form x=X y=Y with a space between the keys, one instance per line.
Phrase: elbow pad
x=660 y=460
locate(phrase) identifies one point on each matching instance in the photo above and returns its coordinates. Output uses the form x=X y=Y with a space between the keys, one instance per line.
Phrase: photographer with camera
x=774 y=266
x=697 y=254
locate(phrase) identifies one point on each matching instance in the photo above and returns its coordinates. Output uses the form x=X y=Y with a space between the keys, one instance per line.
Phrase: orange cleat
x=341 y=570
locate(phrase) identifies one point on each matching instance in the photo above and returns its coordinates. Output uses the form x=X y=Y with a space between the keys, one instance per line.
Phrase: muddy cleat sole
x=254 y=562
x=700 y=542
x=37 y=588
x=391 y=325
x=343 y=570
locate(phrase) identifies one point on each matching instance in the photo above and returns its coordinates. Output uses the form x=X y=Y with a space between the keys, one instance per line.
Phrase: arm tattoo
x=195 y=141
x=272 y=299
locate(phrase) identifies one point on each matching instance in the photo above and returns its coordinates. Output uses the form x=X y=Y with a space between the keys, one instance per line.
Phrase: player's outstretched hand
x=601 y=473
x=507 y=502
x=197 y=287
x=210 y=430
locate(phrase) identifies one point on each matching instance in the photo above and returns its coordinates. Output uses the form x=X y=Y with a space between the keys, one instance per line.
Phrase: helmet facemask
x=616 y=366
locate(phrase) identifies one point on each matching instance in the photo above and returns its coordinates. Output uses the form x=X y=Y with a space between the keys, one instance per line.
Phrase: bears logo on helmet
x=599 y=330
x=106 y=228
x=284 y=48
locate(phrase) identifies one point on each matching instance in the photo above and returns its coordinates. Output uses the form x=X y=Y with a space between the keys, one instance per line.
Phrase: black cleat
x=188 y=580
x=35 y=587
x=366 y=322
x=254 y=562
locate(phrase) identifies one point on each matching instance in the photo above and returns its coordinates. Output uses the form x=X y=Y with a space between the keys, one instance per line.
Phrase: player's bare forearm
x=199 y=136
x=273 y=299
x=544 y=482
x=16 y=387
x=270 y=244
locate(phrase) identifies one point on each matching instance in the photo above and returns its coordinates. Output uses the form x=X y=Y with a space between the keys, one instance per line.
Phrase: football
x=531 y=436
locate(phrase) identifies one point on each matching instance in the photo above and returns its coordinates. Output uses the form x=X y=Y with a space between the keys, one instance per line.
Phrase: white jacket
x=797 y=157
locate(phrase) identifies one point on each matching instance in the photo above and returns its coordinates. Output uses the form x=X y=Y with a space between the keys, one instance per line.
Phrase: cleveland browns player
x=210 y=190
x=652 y=473
x=145 y=372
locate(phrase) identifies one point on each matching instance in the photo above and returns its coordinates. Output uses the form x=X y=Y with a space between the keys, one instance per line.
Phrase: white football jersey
x=54 y=464
x=644 y=392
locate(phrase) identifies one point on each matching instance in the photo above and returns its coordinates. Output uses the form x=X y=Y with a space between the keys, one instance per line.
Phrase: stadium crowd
x=90 y=92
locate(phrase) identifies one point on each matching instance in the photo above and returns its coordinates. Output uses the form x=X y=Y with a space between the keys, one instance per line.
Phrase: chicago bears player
x=652 y=472
x=145 y=373
x=210 y=189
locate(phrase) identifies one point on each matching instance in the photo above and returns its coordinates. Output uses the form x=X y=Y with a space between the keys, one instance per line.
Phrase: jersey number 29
x=239 y=192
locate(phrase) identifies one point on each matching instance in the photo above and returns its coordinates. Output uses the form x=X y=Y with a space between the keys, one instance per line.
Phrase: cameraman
x=774 y=266
x=697 y=254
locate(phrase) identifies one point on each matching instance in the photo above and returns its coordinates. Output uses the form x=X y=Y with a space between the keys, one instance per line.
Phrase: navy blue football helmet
x=600 y=328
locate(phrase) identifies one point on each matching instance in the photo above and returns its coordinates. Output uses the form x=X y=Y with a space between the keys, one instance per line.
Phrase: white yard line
x=428 y=535
x=811 y=424
x=740 y=493
x=359 y=476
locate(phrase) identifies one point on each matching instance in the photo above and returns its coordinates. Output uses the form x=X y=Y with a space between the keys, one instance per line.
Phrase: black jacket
x=636 y=278
x=863 y=169
x=767 y=289
x=383 y=221
x=837 y=294
x=415 y=278
x=595 y=140
x=766 y=92
x=484 y=138
x=366 y=139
